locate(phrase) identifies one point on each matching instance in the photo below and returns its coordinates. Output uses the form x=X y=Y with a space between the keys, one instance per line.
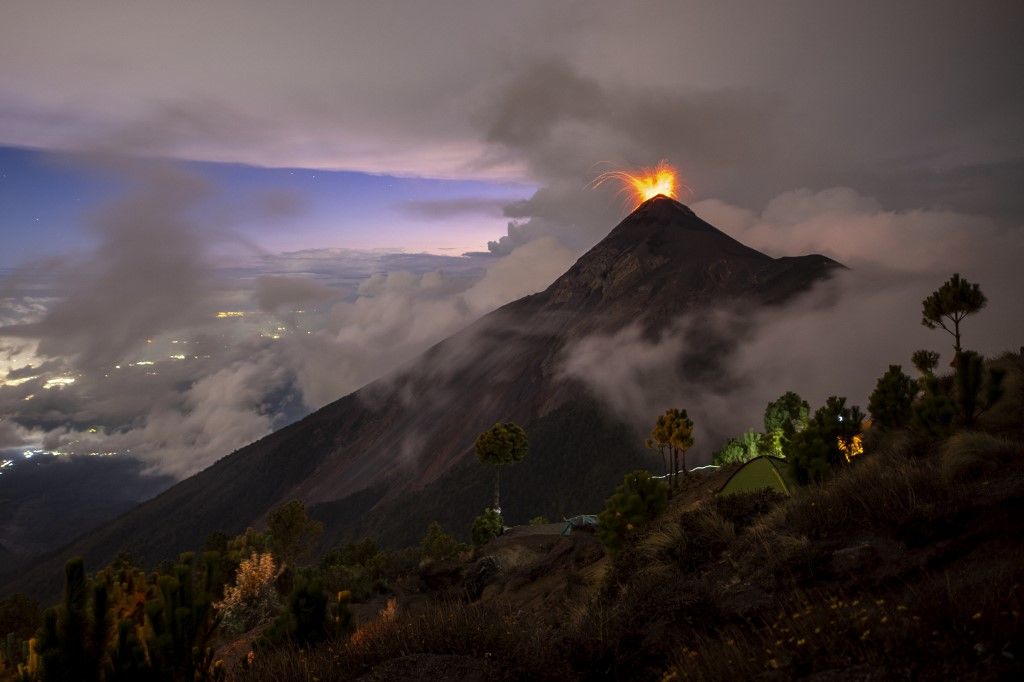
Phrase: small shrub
x=253 y=599
x=637 y=500
x=707 y=536
x=742 y=509
x=438 y=545
x=486 y=527
x=970 y=454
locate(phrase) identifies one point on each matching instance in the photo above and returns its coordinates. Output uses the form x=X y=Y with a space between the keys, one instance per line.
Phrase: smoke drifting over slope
x=837 y=339
x=126 y=352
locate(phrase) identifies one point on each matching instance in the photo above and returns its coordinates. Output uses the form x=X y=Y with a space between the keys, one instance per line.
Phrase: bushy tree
x=119 y=626
x=253 y=598
x=814 y=452
x=891 y=403
x=742 y=449
x=310 y=616
x=946 y=403
x=934 y=411
x=291 y=534
x=487 y=526
x=62 y=642
x=978 y=387
x=673 y=431
x=501 y=445
x=949 y=305
x=438 y=545
x=783 y=418
x=359 y=567
x=636 y=501
x=925 y=362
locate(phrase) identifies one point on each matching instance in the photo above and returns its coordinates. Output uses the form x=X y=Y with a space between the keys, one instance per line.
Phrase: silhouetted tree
x=636 y=501
x=487 y=526
x=976 y=389
x=783 y=418
x=934 y=411
x=500 y=445
x=305 y=621
x=814 y=452
x=438 y=545
x=673 y=431
x=925 y=361
x=949 y=305
x=891 y=403
x=742 y=449
x=292 y=534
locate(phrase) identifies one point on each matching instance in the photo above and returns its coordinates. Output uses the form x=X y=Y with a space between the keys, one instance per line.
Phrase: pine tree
x=291 y=533
x=673 y=431
x=949 y=305
x=925 y=362
x=638 y=499
x=976 y=389
x=891 y=403
x=501 y=445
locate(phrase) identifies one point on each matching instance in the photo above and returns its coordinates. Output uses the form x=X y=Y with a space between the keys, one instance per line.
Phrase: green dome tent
x=758 y=474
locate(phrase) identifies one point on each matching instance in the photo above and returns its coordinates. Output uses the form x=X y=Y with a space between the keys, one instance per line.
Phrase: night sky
x=360 y=180
x=47 y=198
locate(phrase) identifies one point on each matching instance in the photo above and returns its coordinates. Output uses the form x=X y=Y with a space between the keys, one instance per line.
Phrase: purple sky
x=48 y=197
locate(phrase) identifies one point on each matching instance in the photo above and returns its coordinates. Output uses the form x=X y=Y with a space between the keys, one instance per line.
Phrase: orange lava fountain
x=645 y=183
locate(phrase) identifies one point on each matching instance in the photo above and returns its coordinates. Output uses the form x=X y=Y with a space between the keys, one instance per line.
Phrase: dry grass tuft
x=968 y=455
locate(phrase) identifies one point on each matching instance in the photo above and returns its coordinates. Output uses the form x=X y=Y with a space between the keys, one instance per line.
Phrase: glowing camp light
x=645 y=183
x=851 y=448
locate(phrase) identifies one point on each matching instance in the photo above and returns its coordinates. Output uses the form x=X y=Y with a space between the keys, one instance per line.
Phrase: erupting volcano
x=645 y=183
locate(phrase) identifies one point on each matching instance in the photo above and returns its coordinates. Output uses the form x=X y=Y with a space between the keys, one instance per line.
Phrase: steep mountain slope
x=397 y=454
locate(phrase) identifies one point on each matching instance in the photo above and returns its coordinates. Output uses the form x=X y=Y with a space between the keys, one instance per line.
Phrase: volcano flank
x=397 y=454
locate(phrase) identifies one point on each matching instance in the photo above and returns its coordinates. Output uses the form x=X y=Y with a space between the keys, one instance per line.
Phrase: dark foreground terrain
x=907 y=564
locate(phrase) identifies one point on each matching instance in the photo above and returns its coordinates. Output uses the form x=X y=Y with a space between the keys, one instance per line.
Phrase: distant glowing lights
x=58 y=382
x=229 y=313
x=19 y=381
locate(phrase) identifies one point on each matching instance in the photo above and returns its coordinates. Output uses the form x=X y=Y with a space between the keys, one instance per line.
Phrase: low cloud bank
x=155 y=344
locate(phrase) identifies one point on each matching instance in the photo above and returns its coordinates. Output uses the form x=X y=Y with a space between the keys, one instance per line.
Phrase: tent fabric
x=582 y=521
x=758 y=474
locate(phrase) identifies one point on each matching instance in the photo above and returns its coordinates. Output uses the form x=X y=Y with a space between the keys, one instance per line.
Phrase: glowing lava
x=645 y=183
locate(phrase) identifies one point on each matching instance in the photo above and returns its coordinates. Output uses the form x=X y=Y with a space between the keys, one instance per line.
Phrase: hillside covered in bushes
x=889 y=550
